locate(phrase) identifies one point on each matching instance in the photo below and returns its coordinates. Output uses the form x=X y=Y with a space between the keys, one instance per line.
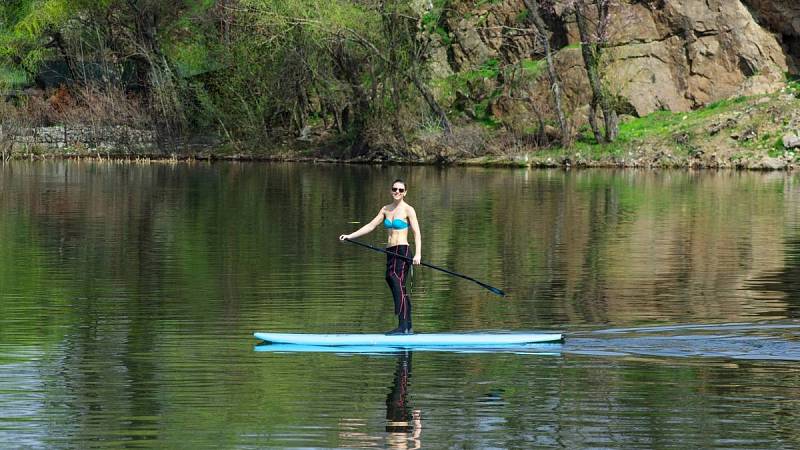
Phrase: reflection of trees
x=585 y=246
x=780 y=280
x=782 y=284
x=618 y=246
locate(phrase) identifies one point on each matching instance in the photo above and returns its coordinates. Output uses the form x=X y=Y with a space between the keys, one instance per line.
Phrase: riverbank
x=759 y=133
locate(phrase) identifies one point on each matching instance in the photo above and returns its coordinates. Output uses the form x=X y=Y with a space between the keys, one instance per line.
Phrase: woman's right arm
x=365 y=229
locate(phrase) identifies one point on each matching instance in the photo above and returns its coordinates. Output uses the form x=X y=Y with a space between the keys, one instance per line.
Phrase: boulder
x=791 y=141
x=769 y=163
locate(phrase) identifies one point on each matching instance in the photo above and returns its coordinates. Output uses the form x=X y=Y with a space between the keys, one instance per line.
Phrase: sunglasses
x=400 y=190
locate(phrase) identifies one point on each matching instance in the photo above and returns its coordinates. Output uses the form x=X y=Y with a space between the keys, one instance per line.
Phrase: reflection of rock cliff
x=665 y=54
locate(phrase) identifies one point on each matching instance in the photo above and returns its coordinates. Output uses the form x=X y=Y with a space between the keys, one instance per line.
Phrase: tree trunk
x=590 y=49
x=598 y=136
x=612 y=123
x=58 y=40
x=300 y=113
x=541 y=27
x=355 y=119
x=432 y=103
x=153 y=70
x=396 y=125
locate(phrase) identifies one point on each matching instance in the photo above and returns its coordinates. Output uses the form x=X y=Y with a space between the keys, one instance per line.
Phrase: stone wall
x=84 y=139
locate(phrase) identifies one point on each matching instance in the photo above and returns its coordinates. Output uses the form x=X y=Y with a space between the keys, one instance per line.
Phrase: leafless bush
x=19 y=118
x=81 y=106
x=469 y=140
x=9 y=116
x=8 y=127
x=385 y=139
x=108 y=106
x=466 y=141
x=36 y=111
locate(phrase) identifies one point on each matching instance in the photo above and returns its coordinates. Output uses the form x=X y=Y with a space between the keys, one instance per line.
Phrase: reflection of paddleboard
x=542 y=348
x=411 y=340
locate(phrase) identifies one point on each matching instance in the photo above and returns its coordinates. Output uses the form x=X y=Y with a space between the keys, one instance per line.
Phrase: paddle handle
x=427 y=264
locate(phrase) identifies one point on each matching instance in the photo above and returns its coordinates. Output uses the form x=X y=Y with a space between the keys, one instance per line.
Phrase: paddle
x=481 y=284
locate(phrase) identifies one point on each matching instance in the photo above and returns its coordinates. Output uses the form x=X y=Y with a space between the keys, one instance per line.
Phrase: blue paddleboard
x=410 y=340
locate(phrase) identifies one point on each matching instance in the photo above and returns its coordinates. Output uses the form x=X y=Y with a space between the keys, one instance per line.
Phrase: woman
x=397 y=217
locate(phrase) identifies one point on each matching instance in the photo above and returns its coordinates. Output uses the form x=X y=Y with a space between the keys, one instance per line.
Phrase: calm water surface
x=129 y=294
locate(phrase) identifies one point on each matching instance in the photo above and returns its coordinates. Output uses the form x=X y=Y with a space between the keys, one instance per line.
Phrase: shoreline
x=743 y=133
x=528 y=161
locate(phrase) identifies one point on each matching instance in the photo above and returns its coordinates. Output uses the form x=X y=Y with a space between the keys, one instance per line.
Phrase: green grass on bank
x=659 y=126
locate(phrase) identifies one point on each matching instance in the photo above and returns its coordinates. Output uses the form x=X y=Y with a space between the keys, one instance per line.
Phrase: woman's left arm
x=412 y=216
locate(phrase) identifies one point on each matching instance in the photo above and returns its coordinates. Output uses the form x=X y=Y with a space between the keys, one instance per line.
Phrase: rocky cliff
x=783 y=18
x=662 y=55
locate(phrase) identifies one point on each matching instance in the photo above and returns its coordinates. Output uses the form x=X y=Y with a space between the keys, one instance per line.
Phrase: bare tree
x=402 y=34
x=542 y=36
x=593 y=30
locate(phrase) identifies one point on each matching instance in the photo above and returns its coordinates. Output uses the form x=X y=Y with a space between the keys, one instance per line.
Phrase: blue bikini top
x=396 y=224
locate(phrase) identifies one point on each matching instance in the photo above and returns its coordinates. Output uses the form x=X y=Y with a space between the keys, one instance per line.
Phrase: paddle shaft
x=441 y=269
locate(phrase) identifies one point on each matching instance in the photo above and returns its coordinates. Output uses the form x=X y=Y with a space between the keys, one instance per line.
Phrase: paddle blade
x=492 y=289
x=498 y=292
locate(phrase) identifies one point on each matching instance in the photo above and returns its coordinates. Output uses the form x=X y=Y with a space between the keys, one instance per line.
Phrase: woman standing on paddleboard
x=397 y=217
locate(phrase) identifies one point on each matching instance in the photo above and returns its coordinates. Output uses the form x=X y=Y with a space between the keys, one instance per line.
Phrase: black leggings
x=396 y=274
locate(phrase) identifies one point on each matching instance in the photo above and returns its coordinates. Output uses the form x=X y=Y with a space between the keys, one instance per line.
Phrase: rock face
x=663 y=54
x=683 y=54
x=493 y=30
x=782 y=17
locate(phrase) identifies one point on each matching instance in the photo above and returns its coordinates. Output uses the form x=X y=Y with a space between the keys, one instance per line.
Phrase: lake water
x=129 y=294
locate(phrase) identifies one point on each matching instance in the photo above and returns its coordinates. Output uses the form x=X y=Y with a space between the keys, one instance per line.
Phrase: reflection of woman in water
x=402 y=422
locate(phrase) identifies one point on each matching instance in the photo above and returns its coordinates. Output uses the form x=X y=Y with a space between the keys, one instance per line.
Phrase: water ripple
x=738 y=341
